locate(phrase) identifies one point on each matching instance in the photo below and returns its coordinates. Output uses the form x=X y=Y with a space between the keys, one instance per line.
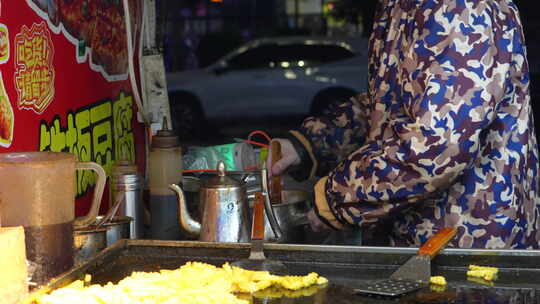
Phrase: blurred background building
x=197 y=32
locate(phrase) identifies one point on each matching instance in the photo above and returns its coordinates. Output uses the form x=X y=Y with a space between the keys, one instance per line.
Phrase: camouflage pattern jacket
x=443 y=137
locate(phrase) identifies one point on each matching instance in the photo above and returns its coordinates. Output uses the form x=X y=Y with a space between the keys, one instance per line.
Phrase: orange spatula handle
x=275 y=187
x=257 y=229
x=437 y=242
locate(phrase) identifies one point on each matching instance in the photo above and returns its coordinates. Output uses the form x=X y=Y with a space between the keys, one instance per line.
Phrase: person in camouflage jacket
x=443 y=137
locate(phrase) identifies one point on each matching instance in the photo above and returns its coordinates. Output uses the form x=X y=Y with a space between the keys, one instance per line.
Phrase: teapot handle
x=83 y=221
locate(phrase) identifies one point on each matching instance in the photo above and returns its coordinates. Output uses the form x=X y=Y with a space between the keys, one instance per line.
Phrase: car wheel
x=187 y=117
x=325 y=101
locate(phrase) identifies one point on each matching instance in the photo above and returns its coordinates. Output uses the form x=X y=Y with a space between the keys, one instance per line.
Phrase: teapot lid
x=221 y=180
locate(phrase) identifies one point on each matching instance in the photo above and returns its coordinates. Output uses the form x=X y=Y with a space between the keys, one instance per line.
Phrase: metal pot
x=224 y=206
x=291 y=216
x=88 y=242
x=191 y=185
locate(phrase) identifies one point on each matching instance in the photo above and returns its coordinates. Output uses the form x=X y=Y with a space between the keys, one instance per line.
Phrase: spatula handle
x=437 y=242
x=275 y=186
x=257 y=228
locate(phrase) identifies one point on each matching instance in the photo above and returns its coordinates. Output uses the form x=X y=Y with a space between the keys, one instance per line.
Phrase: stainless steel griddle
x=346 y=267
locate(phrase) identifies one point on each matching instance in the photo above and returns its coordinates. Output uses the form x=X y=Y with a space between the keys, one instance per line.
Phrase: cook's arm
x=322 y=142
x=459 y=72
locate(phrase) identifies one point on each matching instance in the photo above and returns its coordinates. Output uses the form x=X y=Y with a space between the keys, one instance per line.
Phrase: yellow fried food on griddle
x=298 y=282
x=437 y=288
x=437 y=280
x=192 y=283
x=480 y=281
x=248 y=281
x=322 y=281
x=252 y=281
x=477 y=267
x=278 y=292
x=483 y=272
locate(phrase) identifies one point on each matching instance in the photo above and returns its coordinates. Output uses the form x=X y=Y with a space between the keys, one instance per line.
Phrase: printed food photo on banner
x=79 y=20
x=97 y=29
x=4 y=44
x=109 y=39
x=6 y=117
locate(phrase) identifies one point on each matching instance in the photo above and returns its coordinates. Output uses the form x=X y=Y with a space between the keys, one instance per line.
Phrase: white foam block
x=13 y=271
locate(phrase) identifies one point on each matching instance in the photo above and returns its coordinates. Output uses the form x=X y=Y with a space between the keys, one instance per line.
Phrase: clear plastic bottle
x=165 y=168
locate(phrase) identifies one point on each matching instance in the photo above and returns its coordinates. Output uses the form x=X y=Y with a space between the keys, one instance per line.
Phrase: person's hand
x=315 y=222
x=289 y=157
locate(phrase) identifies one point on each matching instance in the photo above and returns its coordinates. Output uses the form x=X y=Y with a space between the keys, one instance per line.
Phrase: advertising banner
x=64 y=83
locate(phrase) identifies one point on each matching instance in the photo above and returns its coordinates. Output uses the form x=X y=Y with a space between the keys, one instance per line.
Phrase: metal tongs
x=269 y=211
x=112 y=211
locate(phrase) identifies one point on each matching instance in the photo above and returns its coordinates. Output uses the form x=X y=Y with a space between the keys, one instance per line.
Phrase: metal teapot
x=224 y=210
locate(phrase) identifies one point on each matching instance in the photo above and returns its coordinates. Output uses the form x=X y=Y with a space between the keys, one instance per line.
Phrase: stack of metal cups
x=126 y=180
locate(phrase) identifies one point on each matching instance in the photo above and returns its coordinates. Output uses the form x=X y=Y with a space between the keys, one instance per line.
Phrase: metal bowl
x=291 y=217
x=88 y=242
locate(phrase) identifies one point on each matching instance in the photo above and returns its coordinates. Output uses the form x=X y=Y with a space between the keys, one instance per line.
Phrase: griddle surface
x=346 y=269
x=511 y=286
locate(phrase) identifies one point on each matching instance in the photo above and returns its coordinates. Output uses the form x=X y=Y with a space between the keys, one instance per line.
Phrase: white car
x=284 y=76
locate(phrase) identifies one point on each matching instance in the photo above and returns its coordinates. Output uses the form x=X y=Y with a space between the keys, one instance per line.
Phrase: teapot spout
x=190 y=225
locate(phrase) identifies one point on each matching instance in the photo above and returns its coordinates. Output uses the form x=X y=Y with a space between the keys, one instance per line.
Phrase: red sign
x=64 y=82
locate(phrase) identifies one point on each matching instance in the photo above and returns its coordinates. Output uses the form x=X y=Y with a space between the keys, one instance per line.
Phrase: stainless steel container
x=130 y=184
x=87 y=243
x=118 y=228
x=291 y=217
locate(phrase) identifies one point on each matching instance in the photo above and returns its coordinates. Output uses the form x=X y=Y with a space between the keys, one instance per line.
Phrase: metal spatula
x=415 y=273
x=257 y=261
